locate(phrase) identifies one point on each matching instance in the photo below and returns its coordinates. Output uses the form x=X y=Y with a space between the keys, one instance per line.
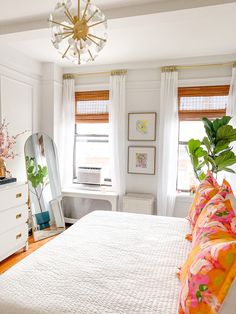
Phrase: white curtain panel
x=117 y=112
x=231 y=108
x=231 y=111
x=68 y=129
x=168 y=143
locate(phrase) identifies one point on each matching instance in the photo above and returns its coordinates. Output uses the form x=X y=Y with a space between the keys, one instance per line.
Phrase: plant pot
x=43 y=220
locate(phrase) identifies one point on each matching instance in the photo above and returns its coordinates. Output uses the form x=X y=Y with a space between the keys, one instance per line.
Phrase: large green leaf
x=200 y=152
x=225 y=160
x=229 y=170
x=209 y=129
x=221 y=146
x=201 y=176
x=226 y=133
x=217 y=123
x=193 y=145
x=207 y=143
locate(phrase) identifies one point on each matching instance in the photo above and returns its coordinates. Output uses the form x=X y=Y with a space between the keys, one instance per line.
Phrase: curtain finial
x=171 y=68
x=118 y=72
x=68 y=76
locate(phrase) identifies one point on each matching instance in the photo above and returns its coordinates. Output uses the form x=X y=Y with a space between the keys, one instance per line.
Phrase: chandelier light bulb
x=81 y=35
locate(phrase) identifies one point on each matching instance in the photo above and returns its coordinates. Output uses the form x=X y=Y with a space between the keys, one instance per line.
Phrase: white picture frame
x=142 y=126
x=142 y=160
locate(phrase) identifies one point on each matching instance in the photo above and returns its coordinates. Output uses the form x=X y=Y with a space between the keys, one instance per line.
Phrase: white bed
x=106 y=263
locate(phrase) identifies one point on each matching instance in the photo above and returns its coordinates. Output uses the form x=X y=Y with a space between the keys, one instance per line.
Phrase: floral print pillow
x=206 y=190
x=207 y=276
x=216 y=220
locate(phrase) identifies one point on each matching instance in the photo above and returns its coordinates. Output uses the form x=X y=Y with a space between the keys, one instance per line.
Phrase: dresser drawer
x=13 y=196
x=11 y=218
x=13 y=240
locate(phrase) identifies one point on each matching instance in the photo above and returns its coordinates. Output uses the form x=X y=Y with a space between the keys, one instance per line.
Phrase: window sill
x=87 y=187
x=77 y=188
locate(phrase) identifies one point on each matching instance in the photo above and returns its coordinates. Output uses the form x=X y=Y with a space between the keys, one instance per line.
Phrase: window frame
x=196 y=115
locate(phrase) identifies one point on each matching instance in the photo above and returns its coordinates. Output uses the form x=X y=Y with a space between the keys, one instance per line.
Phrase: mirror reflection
x=44 y=186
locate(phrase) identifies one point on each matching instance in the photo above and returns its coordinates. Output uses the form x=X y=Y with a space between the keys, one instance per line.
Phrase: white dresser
x=13 y=218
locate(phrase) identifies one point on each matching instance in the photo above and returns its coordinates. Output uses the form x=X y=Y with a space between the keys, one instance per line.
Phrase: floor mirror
x=44 y=186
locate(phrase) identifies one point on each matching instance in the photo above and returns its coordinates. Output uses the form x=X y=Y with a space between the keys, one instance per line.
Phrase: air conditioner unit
x=87 y=175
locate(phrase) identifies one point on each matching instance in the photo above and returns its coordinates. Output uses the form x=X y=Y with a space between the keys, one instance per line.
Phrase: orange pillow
x=205 y=191
x=207 y=276
x=218 y=216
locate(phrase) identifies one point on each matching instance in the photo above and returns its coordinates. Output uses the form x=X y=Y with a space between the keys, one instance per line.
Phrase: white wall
x=143 y=95
x=20 y=80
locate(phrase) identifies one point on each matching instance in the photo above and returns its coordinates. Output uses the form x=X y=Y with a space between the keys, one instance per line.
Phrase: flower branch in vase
x=7 y=143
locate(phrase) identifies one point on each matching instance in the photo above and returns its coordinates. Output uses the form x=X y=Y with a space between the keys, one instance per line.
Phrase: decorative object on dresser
x=13 y=218
x=138 y=203
x=6 y=144
x=142 y=160
x=142 y=126
x=3 y=170
x=44 y=186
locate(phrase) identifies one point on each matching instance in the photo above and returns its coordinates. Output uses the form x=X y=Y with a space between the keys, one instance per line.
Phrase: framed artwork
x=142 y=160
x=142 y=126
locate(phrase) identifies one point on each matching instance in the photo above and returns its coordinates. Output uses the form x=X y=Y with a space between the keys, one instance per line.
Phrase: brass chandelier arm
x=91 y=56
x=99 y=38
x=64 y=33
x=86 y=8
x=68 y=35
x=66 y=51
x=78 y=54
x=70 y=17
x=94 y=13
x=98 y=23
x=79 y=10
x=93 y=41
x=63 y=25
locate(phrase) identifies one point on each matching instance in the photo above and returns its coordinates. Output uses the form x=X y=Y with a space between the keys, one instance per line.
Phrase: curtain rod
x=178 y=67
x=113 y=72
x=231 y=63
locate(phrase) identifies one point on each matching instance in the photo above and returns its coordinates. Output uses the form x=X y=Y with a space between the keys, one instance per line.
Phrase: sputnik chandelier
x=79 y=36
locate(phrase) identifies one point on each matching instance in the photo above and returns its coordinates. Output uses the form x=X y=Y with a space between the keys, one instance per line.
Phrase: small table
x=109 y=196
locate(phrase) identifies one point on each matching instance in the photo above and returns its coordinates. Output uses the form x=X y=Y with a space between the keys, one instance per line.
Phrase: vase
x=43 y=220
x=2 y=169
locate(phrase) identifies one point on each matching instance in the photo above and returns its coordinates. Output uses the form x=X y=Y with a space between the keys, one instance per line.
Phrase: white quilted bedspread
x=114 y=263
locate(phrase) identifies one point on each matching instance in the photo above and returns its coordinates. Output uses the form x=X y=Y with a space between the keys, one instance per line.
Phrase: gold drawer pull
x=18 y=216
x=19 y=195
x=18 y=236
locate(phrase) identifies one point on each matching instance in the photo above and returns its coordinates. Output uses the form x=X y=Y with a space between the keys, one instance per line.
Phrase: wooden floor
x=17 y=257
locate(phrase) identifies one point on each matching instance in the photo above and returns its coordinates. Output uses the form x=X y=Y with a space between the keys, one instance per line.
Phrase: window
x=195 y=103
x=91 y=153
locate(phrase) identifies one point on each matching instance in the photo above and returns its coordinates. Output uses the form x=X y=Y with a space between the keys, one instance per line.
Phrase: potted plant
x=38 y=177
x=214 y=152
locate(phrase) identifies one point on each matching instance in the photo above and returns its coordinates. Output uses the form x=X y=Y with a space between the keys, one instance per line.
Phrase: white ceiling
x=23 y=9
x=188 y=33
